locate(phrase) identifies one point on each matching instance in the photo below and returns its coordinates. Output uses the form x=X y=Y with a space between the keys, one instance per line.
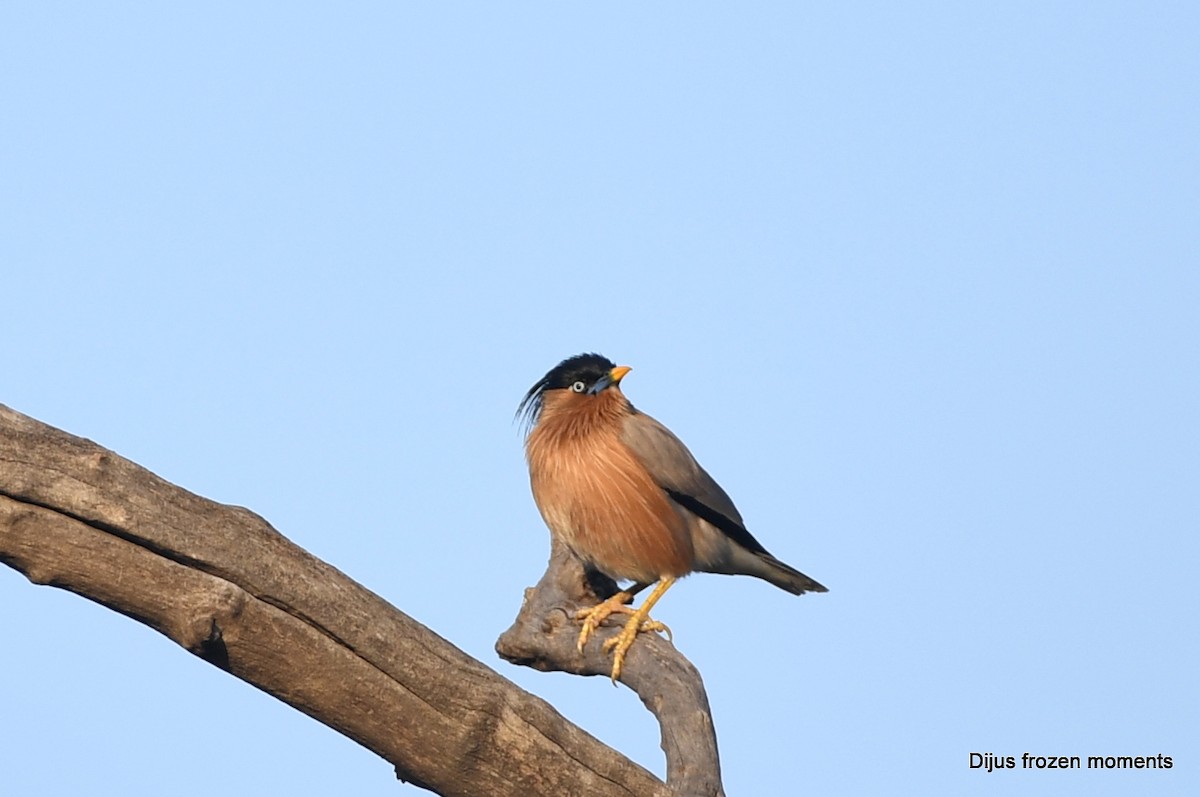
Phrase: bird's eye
x=578 y=387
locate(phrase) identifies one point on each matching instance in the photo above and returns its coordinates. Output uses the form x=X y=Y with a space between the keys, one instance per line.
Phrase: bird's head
x=573 y=383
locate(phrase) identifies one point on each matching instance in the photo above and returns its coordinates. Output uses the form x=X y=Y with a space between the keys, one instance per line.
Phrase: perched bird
x=622 y=492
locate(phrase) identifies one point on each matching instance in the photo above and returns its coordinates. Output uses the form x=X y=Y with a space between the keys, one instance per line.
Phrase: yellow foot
x=593 y=617
x=638 y=623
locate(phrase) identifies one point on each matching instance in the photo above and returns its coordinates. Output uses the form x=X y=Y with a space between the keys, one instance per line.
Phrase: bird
x=627 y=497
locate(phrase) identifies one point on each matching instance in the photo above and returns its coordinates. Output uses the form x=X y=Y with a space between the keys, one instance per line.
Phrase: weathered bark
x=544 y=637
x=222 y=583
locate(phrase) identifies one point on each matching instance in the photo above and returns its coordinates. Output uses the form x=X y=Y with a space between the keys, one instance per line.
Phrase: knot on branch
x=544 y=636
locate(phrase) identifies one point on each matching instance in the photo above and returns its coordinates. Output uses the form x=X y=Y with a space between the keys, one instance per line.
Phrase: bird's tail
x=786 y=577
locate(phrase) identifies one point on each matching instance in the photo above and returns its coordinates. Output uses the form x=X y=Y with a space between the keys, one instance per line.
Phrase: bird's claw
x=620 y=644
x=593 y=617
x=639 y=621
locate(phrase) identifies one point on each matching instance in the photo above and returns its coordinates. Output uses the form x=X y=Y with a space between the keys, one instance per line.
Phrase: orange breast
x=599 y=499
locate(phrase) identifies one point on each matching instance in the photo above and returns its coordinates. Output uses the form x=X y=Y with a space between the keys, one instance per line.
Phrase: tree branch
x=222 y=583
x=544 y=637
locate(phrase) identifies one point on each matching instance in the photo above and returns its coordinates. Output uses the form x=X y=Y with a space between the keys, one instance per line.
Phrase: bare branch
x=544 y=637
x=222 y=583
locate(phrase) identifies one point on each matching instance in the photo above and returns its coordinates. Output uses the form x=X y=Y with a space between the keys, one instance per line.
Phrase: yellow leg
x=593 y=617
x=638 y=622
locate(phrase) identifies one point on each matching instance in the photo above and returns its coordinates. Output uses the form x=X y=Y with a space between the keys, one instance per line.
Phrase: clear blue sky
x=918 y=283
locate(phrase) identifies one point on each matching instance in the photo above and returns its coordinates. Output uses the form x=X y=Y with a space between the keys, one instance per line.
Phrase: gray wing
x=722 y=543
x=680 y=475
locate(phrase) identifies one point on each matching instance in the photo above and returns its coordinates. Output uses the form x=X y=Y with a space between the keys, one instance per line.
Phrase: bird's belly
x=616 y=519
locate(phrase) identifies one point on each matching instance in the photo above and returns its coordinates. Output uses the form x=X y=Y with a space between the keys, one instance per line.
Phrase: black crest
x=582 y=367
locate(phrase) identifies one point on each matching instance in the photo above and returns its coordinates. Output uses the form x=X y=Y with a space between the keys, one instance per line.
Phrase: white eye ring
x=578 y=387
